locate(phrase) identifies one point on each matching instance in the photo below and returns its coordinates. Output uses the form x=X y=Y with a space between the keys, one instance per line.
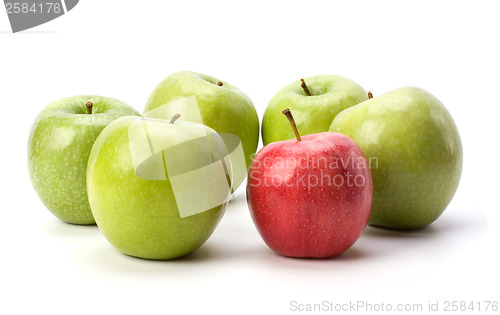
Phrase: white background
x=123 y=49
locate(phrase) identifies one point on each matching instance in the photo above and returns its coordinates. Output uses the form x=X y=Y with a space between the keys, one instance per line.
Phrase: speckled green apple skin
x=330 y=94
x=59 y=145
x=140 y=217
x=416 y=143
x=226 y=109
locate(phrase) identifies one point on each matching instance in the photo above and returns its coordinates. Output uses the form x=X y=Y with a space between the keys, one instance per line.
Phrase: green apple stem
x=288 y=115
x=89 y=107
x=303 y=85
x=174 y=118
x=370 y=95
x=219 y=83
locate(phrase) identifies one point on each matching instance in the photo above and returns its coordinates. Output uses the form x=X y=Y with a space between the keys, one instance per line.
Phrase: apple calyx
x=303 y=85
x=219 y=83
x=370 y=95
x=288 y=115
x=174 y=118
x=89 y=107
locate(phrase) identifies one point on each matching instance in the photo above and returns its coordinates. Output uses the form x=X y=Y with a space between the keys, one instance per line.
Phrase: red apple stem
x=89 y=106
x=174 y=118
x=288 y=115
x=219 y=83
x=370 y=95
x=303 y=85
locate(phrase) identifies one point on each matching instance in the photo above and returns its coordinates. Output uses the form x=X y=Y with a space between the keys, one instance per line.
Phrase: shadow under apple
x=56 y=228
x=106 y=259
x=447 y=234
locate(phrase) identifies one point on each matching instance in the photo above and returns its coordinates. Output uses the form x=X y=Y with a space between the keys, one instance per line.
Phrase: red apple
x=310 y=196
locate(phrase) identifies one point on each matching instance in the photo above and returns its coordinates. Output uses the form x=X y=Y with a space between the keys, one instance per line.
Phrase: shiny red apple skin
x=299 y=217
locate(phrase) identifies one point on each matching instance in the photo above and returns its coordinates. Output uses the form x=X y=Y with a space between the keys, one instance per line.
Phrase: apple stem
x=304 y=87
x=174 y=118
x=370 y=95
x=219 y=83
x=89 y=107
x=288 y=115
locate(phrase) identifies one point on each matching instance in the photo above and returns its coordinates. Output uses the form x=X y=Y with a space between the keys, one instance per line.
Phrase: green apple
x=58 y=149
x=223 y=107
x=314 y=102
x=415 y=155
x=157 y=190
